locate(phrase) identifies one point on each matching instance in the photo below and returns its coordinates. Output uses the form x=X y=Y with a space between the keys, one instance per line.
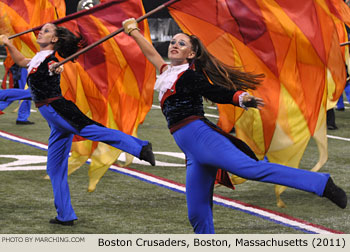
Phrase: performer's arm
x=130 y=27
x=200 y=84
x=16 y=55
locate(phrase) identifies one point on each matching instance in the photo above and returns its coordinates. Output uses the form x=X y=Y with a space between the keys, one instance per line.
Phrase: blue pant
x=207 y=150
x=24 y=108
x=340 y=103
x=7 y=96
x=58 y=152
x=14 y=94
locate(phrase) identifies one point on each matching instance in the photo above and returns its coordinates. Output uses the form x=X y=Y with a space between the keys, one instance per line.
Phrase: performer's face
x=47 y=36
x=180 y=49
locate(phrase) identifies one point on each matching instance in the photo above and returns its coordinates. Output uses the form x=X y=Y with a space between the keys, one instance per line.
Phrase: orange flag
x=296 y=45
x=18 y=16
x=112 y=83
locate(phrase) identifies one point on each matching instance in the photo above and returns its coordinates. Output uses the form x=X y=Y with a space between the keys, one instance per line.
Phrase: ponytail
x=220 y=73
x=68 y=43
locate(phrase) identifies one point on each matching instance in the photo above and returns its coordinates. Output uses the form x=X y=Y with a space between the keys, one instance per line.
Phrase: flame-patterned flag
x=296 y=44
x=19 y=16
x=112 y=83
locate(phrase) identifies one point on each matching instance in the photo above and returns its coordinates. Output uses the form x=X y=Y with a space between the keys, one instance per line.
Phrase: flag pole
x=85 y=49
x=345 y=43
x=69 y=17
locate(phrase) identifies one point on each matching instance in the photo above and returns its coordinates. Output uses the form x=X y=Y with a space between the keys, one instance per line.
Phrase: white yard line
x=269 y=215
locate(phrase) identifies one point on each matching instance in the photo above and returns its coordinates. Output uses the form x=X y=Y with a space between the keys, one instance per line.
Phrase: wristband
x=133 y=29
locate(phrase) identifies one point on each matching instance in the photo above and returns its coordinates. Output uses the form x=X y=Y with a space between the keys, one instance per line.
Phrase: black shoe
x=332 y=127
x=335 y=194
x=147 y=154
x=64 y=223
x=24 y=122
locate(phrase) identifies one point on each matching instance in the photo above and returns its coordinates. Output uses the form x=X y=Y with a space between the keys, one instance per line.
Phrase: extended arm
x=130 y=27
x=16 y=55
x=218 y=94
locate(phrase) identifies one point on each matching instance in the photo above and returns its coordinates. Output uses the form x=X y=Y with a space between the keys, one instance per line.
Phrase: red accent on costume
x=34 y=69
x=51 y=63
x=47 y=101
x=170 y=91
x=236 y=97
x=162 y=68
x=183 y=122
x=223 y=178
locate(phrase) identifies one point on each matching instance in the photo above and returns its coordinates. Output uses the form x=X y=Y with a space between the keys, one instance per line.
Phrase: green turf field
x=127 y=205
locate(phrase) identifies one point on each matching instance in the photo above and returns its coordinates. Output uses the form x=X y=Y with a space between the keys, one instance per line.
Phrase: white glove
x=130 y=25
x=3 y=39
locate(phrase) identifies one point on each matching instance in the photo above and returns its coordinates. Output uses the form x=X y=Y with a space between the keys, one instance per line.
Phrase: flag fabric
x=8 y=62
x=111 y=83
x=296 y=44
x=18 y=16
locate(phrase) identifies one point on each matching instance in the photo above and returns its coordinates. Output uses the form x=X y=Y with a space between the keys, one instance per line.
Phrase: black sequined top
x=185 y=100
x=43 y=85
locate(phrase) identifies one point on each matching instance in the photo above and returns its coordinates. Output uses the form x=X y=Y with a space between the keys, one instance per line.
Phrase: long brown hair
x=220 y=73
x=68 y=43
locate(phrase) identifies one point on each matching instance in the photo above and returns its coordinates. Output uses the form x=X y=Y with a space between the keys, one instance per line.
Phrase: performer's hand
x=4 y=40
x=252 y=101
x=130 y=25
x=56 y=70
